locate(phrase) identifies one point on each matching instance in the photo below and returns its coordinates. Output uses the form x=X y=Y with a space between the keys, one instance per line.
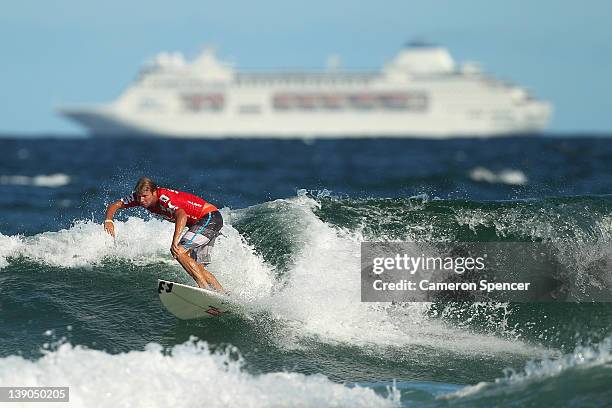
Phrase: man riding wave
x=203 y=219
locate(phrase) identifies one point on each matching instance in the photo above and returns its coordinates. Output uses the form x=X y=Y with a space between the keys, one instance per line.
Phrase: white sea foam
x=190 y=375
x=506 y=176
x=86 y=244
x=41 y=180
x=8 y=247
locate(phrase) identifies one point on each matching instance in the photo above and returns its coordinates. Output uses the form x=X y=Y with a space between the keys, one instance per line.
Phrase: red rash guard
x=171 y=200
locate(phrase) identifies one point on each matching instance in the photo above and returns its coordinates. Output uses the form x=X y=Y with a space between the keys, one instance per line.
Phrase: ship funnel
x=208 y=67
x=422 y=58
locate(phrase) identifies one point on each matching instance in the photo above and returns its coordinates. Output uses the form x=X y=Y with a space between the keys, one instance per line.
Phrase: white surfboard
x=189 y=302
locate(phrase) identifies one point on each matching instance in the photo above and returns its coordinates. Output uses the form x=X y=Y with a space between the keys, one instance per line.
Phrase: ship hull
x=108 y=123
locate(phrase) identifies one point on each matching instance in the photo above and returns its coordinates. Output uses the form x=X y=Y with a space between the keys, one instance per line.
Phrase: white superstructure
x=422 y=92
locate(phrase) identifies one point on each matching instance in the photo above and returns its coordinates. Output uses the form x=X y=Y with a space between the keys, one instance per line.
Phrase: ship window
x=201 y=102
x=334 y=102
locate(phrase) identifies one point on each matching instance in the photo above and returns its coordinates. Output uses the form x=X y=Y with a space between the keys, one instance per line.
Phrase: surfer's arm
x=110 y=213
x=179 y=225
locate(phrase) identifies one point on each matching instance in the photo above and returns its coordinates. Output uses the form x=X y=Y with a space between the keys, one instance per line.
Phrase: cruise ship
x=421 y=92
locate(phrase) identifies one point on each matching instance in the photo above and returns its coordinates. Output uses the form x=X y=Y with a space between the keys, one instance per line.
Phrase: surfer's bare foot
x=210 y=279
x=211 y=287
x=220 y=289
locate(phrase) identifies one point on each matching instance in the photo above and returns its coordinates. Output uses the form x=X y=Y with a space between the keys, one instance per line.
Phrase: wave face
x=581 y=378
x=577 y=230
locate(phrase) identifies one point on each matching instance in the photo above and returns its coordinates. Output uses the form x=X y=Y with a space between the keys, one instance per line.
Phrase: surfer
x=203 y=219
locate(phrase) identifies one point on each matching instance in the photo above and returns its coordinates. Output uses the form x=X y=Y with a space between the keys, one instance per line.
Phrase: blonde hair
x=144 y=184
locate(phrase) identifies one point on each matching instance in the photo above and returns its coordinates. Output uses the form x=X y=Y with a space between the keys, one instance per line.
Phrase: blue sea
x=79 y=309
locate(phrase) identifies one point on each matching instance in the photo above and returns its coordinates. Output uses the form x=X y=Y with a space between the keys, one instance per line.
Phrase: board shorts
x=201 y=236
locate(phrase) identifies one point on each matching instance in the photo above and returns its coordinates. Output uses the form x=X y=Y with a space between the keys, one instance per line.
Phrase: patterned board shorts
x=201 y=236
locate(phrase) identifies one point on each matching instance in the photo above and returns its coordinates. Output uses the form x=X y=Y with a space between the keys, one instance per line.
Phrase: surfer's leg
x=197 y=270
x=192 y=268
x=197 y=244
x=210 y=278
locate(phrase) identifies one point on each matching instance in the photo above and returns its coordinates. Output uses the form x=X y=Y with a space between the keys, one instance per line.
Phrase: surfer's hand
x=109 y=227
x=176 y=250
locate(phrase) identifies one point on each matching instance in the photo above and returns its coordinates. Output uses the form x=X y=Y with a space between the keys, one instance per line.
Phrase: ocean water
x=81 y=310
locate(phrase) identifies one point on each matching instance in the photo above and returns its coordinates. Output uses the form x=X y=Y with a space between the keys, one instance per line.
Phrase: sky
x=67 y=52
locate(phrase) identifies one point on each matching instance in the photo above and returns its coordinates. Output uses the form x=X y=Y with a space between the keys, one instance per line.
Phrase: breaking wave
x=187 y=375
